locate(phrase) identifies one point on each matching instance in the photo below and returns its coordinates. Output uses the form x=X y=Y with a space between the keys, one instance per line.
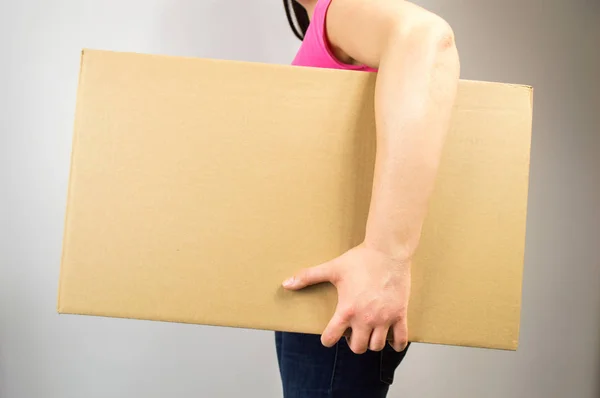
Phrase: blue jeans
x=310 y=370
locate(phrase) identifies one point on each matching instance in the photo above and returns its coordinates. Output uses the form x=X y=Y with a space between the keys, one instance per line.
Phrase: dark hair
x=297 y=17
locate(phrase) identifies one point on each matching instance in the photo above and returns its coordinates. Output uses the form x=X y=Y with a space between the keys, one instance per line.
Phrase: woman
x=415 y=56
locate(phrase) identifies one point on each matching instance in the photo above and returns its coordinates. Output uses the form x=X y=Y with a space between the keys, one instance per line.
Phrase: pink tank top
x=315 y=50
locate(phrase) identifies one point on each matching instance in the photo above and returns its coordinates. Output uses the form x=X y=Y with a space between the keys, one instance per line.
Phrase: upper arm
x=364 y=29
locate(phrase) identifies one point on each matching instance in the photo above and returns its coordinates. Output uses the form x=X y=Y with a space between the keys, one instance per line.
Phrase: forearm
x=415 y=92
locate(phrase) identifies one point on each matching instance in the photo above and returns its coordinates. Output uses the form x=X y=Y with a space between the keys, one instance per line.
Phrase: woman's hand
x=373 y=292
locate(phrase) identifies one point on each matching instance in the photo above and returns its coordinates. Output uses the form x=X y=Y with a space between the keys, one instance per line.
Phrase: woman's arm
x=416 y=85
x=418 y=64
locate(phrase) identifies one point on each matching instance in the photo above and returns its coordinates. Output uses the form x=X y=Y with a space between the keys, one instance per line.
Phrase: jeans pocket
x=390 y=360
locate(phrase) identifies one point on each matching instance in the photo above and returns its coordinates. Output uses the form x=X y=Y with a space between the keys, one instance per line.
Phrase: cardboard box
x=198 y=185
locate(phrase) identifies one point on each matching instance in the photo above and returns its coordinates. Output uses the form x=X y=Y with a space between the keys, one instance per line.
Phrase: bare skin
x=418 y=63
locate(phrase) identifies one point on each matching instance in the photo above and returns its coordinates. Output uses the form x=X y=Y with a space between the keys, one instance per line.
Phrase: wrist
x=397 y=253
x=396 y=239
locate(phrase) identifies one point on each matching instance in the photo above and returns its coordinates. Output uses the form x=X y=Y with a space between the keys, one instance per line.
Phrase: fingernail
x=288 y=282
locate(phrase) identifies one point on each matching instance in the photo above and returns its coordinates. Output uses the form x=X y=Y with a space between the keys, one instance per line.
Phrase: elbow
x=439 y=33
x=422 y=31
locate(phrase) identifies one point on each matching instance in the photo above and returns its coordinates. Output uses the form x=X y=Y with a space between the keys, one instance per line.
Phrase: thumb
x=310 y=276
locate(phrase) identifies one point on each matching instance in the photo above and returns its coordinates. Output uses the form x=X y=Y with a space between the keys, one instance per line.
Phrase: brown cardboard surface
x=198 y=185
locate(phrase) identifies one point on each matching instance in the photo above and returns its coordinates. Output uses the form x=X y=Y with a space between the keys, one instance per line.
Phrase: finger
x=359 y=339
x=378 y=338
x=334 y=331
x=400 y=335
x=310 y=276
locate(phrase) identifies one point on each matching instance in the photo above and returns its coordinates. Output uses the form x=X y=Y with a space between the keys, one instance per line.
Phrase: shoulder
x=366 y=29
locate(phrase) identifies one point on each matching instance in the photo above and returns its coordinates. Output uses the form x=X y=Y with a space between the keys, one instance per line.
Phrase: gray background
x=43 y=354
